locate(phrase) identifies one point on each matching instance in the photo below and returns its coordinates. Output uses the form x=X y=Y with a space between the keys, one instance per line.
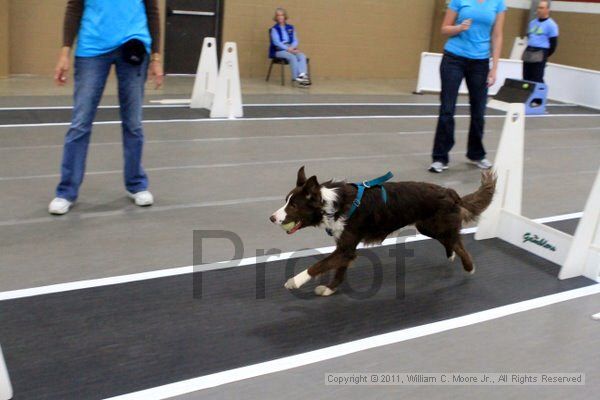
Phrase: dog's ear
x=301 y=180
x=312 y=187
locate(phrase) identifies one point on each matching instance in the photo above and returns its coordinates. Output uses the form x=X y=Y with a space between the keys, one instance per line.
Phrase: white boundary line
x=116 y=280
x=350 y=117
x=263 y=105
x=294 y=161
x=294 y=136
x=328 y=353
x=161 y=104
x=103 y=107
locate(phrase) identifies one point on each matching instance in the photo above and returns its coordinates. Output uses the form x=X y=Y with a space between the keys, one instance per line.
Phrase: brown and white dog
x=436 y=211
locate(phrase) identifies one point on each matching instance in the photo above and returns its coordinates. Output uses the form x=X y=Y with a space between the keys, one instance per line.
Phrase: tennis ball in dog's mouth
x=289 y=226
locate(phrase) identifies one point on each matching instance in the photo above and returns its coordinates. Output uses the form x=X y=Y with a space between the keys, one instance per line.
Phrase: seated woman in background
x=284 y=44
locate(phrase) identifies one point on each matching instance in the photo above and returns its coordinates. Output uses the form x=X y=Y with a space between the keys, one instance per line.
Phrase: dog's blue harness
x=361 y=186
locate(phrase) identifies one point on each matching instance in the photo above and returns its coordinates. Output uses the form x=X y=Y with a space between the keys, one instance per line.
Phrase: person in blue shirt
x=284 y=44
x=475 y=30
x=123 y=33
x=542 y=35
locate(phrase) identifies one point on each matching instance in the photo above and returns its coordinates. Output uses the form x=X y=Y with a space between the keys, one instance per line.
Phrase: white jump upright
x=584 y=254
x=518 y=48
x=227 y=102
x=6 y=391
x=579 y=254
x=205 y=84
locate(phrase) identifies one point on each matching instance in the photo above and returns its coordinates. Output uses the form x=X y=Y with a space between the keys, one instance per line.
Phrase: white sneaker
x=484 y=163
x=142 y=199
x=59 y=206
x=303 y=79
x=438 y=167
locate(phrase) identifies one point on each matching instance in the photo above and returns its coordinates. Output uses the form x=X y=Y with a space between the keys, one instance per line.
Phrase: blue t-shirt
x=107 y=24
x=475 y=42
x=540 y=32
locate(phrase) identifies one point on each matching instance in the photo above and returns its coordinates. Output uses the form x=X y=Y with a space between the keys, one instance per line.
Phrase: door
x=188 y=22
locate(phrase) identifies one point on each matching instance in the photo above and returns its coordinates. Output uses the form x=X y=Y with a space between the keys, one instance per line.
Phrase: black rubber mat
x=105 y=341
x=152 y=114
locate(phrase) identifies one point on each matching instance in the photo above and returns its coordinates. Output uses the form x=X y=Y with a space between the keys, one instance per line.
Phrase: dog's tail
x=473 y=204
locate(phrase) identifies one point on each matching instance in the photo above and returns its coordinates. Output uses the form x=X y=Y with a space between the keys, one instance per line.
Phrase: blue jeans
x=90 y=78
x=452 y=71
x=297 y=62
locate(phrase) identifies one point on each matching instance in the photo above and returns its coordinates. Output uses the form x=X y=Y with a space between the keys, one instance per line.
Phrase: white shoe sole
x=60 y=211
x=476 y=163
x=435 y=171
x=140 y=204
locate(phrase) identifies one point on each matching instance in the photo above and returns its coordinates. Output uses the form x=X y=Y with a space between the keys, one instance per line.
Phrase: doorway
x=188 y=22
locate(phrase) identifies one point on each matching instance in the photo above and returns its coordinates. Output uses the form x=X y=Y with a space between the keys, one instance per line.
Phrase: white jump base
x=566 y=84
x=578 y=255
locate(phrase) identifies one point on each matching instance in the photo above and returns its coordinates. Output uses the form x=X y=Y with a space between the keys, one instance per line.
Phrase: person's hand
x=465 y=25
x=491 y=77
x=156 y=71
x=62 y=67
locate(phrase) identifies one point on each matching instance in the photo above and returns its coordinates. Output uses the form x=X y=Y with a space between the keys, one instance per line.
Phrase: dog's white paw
x=471 y=272
x=297 y=281
x=452 y=257
x=323 y=290
x=290 y=284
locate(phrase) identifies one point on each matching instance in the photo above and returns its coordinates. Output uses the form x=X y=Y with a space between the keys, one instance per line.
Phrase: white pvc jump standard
x=519 y=46
x=227 y=102
x=6 y=391
x=579 y=254
x=205 y=84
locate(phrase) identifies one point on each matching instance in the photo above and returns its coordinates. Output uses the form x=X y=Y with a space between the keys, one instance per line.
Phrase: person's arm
x=449 y=27
x=497 y=39
x=71 y=24
x=553 y=45
x=153 y=17
x=295 y=42
x=553 y=38
x=278 y=43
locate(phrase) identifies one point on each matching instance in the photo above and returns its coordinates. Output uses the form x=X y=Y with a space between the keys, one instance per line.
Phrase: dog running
x=369 y=212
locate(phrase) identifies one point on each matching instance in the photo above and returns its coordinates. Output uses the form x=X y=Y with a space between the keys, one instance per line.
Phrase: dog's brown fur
x=436 y=211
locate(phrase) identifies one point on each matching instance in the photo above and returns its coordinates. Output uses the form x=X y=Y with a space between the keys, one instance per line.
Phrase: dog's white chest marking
x=336 y=227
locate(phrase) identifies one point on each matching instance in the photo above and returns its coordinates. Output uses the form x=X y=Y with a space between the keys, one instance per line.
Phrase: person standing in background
x=124 y=33
x=475 y=28
x=542 y=40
